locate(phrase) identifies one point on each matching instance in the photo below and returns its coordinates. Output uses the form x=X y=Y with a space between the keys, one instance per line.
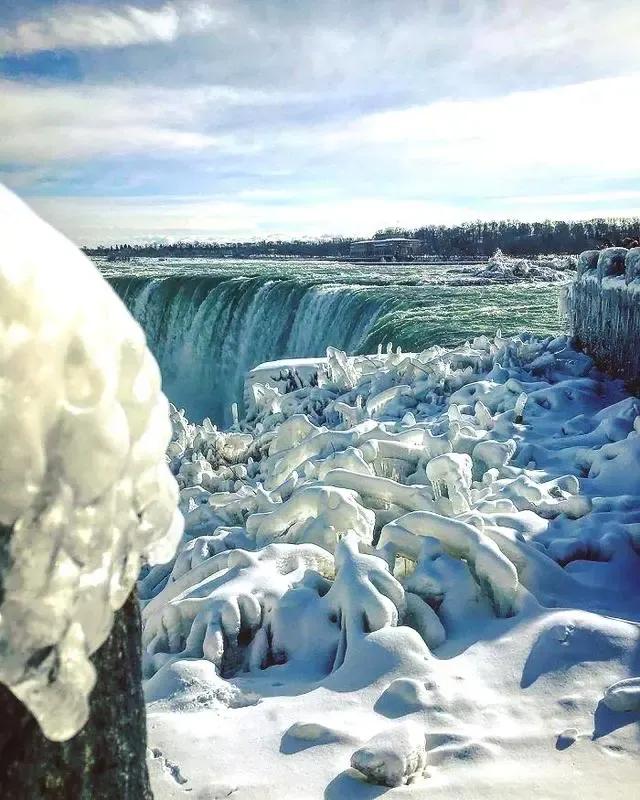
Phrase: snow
x=406 y=568
x=85 y=493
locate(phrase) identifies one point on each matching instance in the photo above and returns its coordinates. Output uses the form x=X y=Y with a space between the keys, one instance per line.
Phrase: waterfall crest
x=207 y=332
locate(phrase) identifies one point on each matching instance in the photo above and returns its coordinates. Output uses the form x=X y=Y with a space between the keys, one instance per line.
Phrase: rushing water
x=209 y=321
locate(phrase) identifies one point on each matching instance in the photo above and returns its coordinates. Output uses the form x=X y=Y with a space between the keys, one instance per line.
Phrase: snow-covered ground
x=417 y=571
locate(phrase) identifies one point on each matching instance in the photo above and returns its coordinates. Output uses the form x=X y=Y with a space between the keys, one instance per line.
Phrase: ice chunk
x=403 y=696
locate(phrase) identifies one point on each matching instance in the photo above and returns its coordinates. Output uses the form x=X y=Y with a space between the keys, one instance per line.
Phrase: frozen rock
x=493 y=455
x=393 y=757
x=364 y=597
x=624 y=695
x=202 y=612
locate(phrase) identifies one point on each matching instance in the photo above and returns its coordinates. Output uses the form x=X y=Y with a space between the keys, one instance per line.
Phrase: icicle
x=234 y=413
x=379 y=348
x=389 y=348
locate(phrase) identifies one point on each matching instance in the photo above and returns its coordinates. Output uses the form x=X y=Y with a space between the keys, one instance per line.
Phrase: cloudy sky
x=227 y=119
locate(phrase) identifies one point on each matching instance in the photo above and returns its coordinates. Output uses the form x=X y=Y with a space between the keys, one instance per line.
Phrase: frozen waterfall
x=207 y=332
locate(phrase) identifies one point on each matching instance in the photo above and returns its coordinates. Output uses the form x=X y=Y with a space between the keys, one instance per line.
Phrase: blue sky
x=227 y=119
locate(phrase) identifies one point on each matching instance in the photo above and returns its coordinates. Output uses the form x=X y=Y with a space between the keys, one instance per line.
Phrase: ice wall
x=603 y=307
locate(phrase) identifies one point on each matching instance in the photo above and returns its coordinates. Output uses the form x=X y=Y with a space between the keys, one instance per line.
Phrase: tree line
x=446 y=241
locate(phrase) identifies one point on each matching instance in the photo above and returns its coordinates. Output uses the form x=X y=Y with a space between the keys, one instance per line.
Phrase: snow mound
x=85 y=493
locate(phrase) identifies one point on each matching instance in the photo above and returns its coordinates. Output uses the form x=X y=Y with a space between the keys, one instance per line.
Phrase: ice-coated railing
x=603 y=308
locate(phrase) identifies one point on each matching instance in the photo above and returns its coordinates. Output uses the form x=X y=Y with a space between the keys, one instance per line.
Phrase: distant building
x=386 y=248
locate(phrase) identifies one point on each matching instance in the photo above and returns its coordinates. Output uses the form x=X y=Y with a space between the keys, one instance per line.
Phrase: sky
x=248 y=119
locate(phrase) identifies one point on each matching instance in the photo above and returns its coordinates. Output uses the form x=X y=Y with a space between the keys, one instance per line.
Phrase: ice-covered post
x=85 y=496
x=603 y=306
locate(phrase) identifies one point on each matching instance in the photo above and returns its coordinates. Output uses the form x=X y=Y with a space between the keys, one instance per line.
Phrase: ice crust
x=391 y=545
x=85 y=493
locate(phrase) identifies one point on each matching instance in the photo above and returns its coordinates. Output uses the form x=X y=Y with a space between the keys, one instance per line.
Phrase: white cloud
x=75 y=26
x=558 y=130
x=579 y=198
x=77 y=121
x=583 y=126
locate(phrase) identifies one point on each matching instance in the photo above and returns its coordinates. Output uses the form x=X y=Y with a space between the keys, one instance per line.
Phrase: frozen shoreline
x=463 y=635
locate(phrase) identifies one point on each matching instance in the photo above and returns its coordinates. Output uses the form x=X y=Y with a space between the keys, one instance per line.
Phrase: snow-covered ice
x=501 y=268
x=85 y=493
x=409 y=570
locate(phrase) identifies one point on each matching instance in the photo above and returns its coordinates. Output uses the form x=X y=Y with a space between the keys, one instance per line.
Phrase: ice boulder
x=85 y=493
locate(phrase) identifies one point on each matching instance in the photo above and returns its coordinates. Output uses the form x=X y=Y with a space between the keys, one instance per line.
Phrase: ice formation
x=425 y=565
x=85 y=492
x=501 y=268
x=603 y=309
